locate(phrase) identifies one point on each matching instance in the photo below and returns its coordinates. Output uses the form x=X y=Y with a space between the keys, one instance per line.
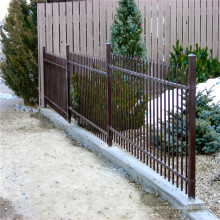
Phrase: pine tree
x=126 y=30
x=19 y=39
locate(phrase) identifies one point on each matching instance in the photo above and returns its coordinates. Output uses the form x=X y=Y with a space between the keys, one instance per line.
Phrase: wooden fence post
x=191 y=122
x=68 y=84
x=109 y=92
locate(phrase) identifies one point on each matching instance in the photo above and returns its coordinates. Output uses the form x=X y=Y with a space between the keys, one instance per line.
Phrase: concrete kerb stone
x=139 y=172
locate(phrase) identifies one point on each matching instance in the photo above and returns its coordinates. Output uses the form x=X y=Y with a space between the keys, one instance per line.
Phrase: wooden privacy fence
x=147 y=108
x=85 y=26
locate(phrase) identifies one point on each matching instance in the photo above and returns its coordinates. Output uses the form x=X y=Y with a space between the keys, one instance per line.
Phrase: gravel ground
x=47 y=175
x=208 y=181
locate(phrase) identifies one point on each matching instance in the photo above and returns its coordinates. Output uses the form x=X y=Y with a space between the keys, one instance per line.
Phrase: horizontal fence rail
x=146 y=108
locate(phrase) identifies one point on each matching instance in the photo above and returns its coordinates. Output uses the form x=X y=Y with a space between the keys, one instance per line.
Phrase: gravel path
x=47 y=175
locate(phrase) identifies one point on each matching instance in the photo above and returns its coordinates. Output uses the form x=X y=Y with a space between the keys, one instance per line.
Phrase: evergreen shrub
x=126 y=30
x=206 y=65
x=97 y=102
x=19 y=40
x=207 y=127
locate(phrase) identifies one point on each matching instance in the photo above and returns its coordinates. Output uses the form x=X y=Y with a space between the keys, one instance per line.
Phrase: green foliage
x=207 y=127
x=206 y=65
x=126 y=30
x=74 y=93
x=127 y=103
x=20 y=70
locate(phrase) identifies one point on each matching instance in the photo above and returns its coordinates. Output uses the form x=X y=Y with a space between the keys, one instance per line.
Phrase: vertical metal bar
x=172 y=126
x=177 y=128
x=161 y=132
x=136 y=106
x=123 y=101
x=102 y=101
x=154 y=116
x=109 y=96
x=165 y=121
x=168 y=70
x=68 y=84
x=129 y=103
x=126 y=116
x=147 y=111
x=181 y=130
x=150 y=135
x=45 y=81
x=98 y=98
x=114 y=104
x=134 y=140
x=191 y=123
x=186 y=141
x=144 y=109
x=157 y=107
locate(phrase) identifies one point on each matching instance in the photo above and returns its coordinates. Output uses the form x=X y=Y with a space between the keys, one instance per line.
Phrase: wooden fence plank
x=154 y=30
x=167 y=30
x=83 y=27
x=173 y=24
x=96 y=27
x=41 y=44
x=114 y=6
x=160 y=30
x=215 y=28
x=197 y=22
x=209 y=24
x=185 y=23
x=203 y=23
x=191 y=22
x=219 y=32
x=148 y=28
x=103 y=28
x=141 y=6
x=109 y=19
x=63 y=30
x=49 y=28
x=69 y=20
x=89 y=29
x=179 y=21
x=56 y=33
x=76 y=25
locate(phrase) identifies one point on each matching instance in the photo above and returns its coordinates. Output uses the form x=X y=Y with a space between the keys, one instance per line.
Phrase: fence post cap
x=108 y=43
x=192 y=55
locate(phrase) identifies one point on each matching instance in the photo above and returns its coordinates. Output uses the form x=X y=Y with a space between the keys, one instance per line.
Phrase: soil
x=47 y=175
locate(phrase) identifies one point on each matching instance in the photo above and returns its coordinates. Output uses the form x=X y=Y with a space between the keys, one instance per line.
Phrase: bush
x=20 y=69
x=97 y=102
x=207 y=127
x=126 y=30
x=206 y=65
x=74 y=93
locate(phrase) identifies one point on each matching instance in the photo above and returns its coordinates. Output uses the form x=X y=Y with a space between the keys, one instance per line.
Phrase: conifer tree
x=19 y=39
x=126 y=30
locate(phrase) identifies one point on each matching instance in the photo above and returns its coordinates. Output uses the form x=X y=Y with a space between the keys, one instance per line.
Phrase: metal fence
x=146 y=108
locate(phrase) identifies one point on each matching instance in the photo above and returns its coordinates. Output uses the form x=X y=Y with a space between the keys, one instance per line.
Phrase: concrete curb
x=139 y=172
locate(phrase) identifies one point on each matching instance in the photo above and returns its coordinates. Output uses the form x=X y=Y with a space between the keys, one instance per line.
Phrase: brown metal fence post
x=191 y=122
x=109 y=92
x=44 y=51
x=68 y=84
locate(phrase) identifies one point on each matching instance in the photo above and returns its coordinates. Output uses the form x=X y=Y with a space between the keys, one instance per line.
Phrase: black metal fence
x=146 y=108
